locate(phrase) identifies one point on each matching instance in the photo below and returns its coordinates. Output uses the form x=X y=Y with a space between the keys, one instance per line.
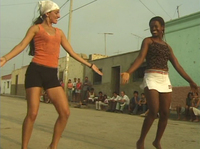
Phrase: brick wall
x=179 y=95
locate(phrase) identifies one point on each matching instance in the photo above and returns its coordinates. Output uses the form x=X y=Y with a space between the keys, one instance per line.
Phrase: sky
x=127 y=20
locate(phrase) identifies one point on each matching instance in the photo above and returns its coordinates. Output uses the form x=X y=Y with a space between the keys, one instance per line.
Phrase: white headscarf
x=47 y=6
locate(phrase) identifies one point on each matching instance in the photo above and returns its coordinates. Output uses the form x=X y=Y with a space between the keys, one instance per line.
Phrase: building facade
x=17 y=85
x=6 y=84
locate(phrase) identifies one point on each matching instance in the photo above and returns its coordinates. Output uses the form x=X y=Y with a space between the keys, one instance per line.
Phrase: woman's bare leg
x=33 y=99
x=60 y=101
x=152 y=97
x=165 y=100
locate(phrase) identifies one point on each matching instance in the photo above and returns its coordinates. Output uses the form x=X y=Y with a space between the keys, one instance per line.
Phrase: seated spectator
x=195 y=109
x=185 y=110
x=99 y=99
x=136 y=99
x=112 y=102
x=91 y=96
x=132 y=102
x=122 y=103
x=143 y=103
x=102 y=103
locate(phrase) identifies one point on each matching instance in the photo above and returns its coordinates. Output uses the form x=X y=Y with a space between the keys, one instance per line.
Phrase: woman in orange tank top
x=45 y=41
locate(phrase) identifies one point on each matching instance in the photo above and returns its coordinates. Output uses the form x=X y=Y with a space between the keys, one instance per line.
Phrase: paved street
x=90 y=129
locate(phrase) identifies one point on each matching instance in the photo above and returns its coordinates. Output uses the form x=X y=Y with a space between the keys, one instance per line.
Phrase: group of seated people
x=191 y=110
x=118 y=103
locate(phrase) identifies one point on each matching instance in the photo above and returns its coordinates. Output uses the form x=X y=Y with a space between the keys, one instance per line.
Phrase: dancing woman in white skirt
x=156 y=84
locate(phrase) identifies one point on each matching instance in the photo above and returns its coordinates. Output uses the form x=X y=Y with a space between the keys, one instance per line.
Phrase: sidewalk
x=90 y=129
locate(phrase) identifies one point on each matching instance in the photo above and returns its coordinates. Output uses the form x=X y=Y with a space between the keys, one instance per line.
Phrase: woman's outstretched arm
x=138 y=61
x=20 y=47
x=66 y=45
x=181 y=71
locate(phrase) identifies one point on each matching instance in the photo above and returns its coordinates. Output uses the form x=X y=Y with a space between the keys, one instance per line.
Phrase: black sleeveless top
x=157 y=56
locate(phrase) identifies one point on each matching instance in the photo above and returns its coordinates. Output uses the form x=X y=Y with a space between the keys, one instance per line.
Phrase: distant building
x=6 y=84
x=18 y=77
x=96 y=56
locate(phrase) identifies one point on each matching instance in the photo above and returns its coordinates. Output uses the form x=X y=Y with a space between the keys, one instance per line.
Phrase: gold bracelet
x=5 y=58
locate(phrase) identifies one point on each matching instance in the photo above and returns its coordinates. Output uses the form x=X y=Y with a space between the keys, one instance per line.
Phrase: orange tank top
x=47 y=48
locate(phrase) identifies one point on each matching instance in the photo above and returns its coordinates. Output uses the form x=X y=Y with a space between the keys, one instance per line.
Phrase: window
x=97 y=79
x=139 y=73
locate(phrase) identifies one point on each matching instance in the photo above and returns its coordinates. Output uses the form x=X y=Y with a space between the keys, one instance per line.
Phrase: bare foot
x=156 y=145
x=196 y=120
x=140 y=145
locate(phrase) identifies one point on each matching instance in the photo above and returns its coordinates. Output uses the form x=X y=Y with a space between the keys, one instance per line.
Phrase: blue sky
x=123 y=18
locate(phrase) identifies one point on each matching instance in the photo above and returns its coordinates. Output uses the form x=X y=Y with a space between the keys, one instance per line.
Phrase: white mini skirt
x=157 y=80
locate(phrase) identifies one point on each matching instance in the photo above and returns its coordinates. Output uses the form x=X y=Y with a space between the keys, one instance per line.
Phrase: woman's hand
x=96 y=69
x=194 y=87
x=2 y=61
x=125 y=77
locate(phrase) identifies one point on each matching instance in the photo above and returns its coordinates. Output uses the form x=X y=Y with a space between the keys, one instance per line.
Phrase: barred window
x=97 y=79
x=139 y=73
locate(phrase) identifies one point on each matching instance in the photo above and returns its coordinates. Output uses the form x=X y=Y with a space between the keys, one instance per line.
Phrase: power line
x=147 y=8
x=163 y=9
x=64 y=4
x=77 y=9
x=18 y=4
x=84 y=5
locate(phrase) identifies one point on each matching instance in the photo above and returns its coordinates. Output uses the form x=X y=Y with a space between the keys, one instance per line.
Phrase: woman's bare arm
x=21 y=46
x=138 y=61
x=181 y=71
x=65 y=44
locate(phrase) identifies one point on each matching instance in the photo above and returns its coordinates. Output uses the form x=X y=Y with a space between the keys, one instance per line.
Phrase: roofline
x=115 y=55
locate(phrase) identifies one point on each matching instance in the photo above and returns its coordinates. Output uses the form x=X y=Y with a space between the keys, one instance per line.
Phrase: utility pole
x=105 y=34
x=178 y=11
x=66 y=74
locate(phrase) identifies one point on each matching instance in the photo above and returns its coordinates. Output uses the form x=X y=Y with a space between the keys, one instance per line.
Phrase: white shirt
x=74 y=84
x=127 y=100
x=115 y=98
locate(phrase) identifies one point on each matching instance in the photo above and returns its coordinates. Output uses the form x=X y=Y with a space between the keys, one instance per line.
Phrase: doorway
x=16 y=84
x=115 y=79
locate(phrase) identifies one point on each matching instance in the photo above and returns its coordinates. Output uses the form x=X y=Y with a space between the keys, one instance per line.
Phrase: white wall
x=6 y=86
